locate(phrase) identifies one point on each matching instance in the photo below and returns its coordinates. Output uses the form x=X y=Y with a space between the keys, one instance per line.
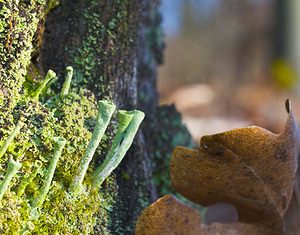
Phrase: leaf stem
x=12 y=169
x=49 y=76
x=67 y=83
x=58 y=147
x=106 y=109
x=121 y=144
x=10 y=138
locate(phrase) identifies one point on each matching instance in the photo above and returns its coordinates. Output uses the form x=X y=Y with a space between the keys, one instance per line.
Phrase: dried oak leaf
x=167 y=216
x=250 y=168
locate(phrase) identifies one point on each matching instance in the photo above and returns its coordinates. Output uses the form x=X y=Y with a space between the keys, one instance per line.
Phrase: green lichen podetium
x=67 y=83
x=11 y=137
x=12 y=169
x=58 y=147
x=72 y=116
x=129 y=123
x=28 y=179
x=105 y=112
x=49 y=76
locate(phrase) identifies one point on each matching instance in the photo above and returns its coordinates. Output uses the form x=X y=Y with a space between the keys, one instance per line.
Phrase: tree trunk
x=114 y=48
x=100 y=40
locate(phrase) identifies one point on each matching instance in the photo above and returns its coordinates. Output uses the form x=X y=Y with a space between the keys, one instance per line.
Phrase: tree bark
x=115 y=48
x=100 y=40
x=19 y=24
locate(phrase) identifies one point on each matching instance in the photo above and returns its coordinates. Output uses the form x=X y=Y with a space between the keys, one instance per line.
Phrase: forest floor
x=212 y=108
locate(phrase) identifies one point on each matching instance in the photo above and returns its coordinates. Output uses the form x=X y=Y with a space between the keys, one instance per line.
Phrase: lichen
x=37 y=200
x=63 y=117
x=129 y=123
x=174 y=133
x=17 y=28
x=107 y=41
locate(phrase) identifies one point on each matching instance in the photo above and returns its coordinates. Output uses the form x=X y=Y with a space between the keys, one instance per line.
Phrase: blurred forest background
x=231 y=63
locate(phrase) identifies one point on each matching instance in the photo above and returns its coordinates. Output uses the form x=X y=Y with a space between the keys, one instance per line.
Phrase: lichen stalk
x=58 y=147
x=12 y=169
x=117 y=152
x=49 y=76
x=28 y=227
x=105 y=111
x=27 y=180
x=67 y=83
x=11 y=137
x=124 y=118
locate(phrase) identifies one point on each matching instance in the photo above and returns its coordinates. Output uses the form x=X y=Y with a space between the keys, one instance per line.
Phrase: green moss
x=107 y=38
x=71 y=116
x=17 y=28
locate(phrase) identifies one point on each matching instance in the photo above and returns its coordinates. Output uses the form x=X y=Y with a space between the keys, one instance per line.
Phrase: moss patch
x=17 y=28
x=72 y=117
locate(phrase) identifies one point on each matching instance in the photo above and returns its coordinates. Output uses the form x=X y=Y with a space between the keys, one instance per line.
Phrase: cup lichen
x=129 y=123
x=58 y=147
x=66 y=86
x=11 y=137
x=49 y=76
x=105 y=113
x=36 y=191
x=12 y=169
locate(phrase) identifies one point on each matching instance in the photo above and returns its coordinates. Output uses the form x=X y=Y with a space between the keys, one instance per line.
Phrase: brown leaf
x=292 y=216
x=167 y=216
x=237 y=229
x=250 y=168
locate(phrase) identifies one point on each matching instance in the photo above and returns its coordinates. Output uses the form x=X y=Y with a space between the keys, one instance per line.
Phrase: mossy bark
x=18 y=26
x=114 y=48
x=100 y=39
